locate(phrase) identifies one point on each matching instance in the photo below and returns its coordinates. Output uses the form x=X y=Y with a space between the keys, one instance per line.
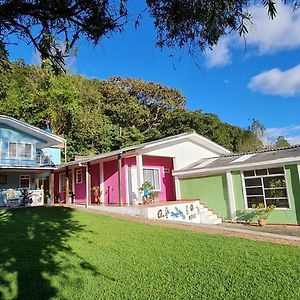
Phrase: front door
x=132 y=185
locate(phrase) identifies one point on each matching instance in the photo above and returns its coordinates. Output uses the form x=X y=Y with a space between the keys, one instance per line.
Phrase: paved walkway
x=224 y=229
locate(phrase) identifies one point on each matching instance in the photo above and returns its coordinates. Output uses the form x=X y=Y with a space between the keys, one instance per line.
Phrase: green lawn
x=60 y=253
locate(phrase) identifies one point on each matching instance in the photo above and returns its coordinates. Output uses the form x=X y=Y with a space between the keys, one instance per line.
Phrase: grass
x=60 y=253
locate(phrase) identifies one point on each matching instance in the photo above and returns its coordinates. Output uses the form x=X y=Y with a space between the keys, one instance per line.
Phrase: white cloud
x=265 y=35
x=220 y=55
x=277 y=82
x=291 y=133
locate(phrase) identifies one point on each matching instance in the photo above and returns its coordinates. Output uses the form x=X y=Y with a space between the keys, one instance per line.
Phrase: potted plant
x=149 y=195
x=97 y=194
x=262 y=213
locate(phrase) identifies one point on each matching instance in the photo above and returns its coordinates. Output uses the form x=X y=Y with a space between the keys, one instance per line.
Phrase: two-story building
x=28 y=156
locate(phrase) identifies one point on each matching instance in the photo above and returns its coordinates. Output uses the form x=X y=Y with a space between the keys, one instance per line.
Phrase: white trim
x=269 y=164
x=298 y=169
x=77 y=172
x=159 y=177
x=19 y=157
x=140 y=174
x=101 y=178
x=176 y=182
x=35 y=131
x=126 y=185
x=231 y=196
x=59 y=182
x=263 y=188
x=28 y=176
x=86 y=187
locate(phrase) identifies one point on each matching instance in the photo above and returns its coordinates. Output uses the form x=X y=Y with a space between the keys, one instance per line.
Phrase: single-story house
x=231 y=184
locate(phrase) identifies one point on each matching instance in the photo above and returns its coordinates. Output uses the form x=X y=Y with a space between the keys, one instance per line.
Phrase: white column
x=101 y=184
x=176 y=182
x=87 y=192
x=73 y=184
x=298 y=167
x=231 y=196
x=140 y=174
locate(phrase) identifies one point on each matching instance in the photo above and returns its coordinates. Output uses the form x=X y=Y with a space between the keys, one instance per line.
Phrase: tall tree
x=281 y=142
x=54 y=26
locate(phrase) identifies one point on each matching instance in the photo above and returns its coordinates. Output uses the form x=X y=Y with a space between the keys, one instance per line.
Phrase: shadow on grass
x=30 y=240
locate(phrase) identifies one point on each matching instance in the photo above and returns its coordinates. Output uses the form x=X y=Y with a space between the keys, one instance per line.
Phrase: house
x=115 y=178
x=28 y=156
x=231 y=184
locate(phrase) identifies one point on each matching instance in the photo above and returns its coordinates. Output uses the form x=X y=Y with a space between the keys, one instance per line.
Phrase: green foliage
x=101 y=115
x=152 y=195
x=60 y=253
x=263 y=212
x=281 y=142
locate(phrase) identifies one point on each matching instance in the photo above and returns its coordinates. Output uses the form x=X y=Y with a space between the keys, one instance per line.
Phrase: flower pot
x=262 y=222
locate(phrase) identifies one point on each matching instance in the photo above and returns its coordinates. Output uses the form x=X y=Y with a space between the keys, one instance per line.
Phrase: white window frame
x=159 y=177
x=23 y=177
x=79 y=171
x=17 y=156
x=60 y=181
x=260 y=176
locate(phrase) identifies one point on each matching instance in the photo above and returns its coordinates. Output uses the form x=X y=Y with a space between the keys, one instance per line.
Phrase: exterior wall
x=278 y=216
x=95 y=179
x=212 y=191
x=57 y=194
x=179 y=151
x=110 y=169
x=9 y=134
x=80 y=188
x=13 y=182
x=54 y=153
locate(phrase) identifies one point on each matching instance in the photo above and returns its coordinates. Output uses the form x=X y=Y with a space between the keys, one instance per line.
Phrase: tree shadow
x=245 y=215
x=30 y=239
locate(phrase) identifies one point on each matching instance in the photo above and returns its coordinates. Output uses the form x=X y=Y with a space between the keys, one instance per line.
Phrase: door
x=133 y=189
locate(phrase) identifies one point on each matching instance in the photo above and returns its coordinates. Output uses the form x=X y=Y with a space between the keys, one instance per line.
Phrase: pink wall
x=110 y=192
x=79 y=188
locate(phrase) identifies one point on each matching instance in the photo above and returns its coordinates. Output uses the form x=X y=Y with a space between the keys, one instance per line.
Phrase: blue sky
x=238 y=83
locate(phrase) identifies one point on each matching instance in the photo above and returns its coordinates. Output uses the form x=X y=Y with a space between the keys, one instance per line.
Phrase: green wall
x=283 y=216
x=211 y=190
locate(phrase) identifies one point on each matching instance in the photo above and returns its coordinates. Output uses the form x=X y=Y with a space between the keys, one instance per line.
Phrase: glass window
x=152 y=176
x=79 y=176
x=25 y=181
x=20 y=150
x=62 y=182
x=268 y=187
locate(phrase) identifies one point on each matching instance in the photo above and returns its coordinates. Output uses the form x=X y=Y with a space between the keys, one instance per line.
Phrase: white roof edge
x=212 y=145
x=184 y=173
x=33 y=128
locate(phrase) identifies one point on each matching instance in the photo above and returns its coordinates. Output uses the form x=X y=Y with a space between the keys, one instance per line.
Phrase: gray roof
x=240 y=160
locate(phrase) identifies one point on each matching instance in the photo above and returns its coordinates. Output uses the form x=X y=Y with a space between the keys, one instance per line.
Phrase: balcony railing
x=44 y=160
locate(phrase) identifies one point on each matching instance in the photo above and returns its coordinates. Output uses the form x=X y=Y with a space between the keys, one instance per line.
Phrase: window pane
x=253 y=182
x=12 y=150
x=28 y=150
x=276 y=193
x=25 y=181
x=274 y=182
x=254 y=191
x=283 y=203
x=261 y=172
x=276 y=171
x=20 y=150
x=255 y=200
x=248 y=173
x=152 y=176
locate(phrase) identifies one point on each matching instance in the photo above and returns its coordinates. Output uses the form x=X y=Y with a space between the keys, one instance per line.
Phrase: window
x=62 y=182
x=152 y=176
x=20 y=150
x=25 y=181
x=79 y=176
x=266 y=186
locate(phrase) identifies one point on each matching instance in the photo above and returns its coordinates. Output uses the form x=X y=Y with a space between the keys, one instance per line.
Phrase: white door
x=132 y=185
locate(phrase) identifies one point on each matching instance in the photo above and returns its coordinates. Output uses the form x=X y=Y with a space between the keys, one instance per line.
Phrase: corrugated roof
x=232 y=160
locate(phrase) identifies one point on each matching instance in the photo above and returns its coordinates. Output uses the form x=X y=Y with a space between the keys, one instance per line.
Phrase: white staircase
x=208 y=216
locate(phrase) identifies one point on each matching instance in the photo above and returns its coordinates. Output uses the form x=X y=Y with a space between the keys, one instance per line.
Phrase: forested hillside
x=101 y=115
